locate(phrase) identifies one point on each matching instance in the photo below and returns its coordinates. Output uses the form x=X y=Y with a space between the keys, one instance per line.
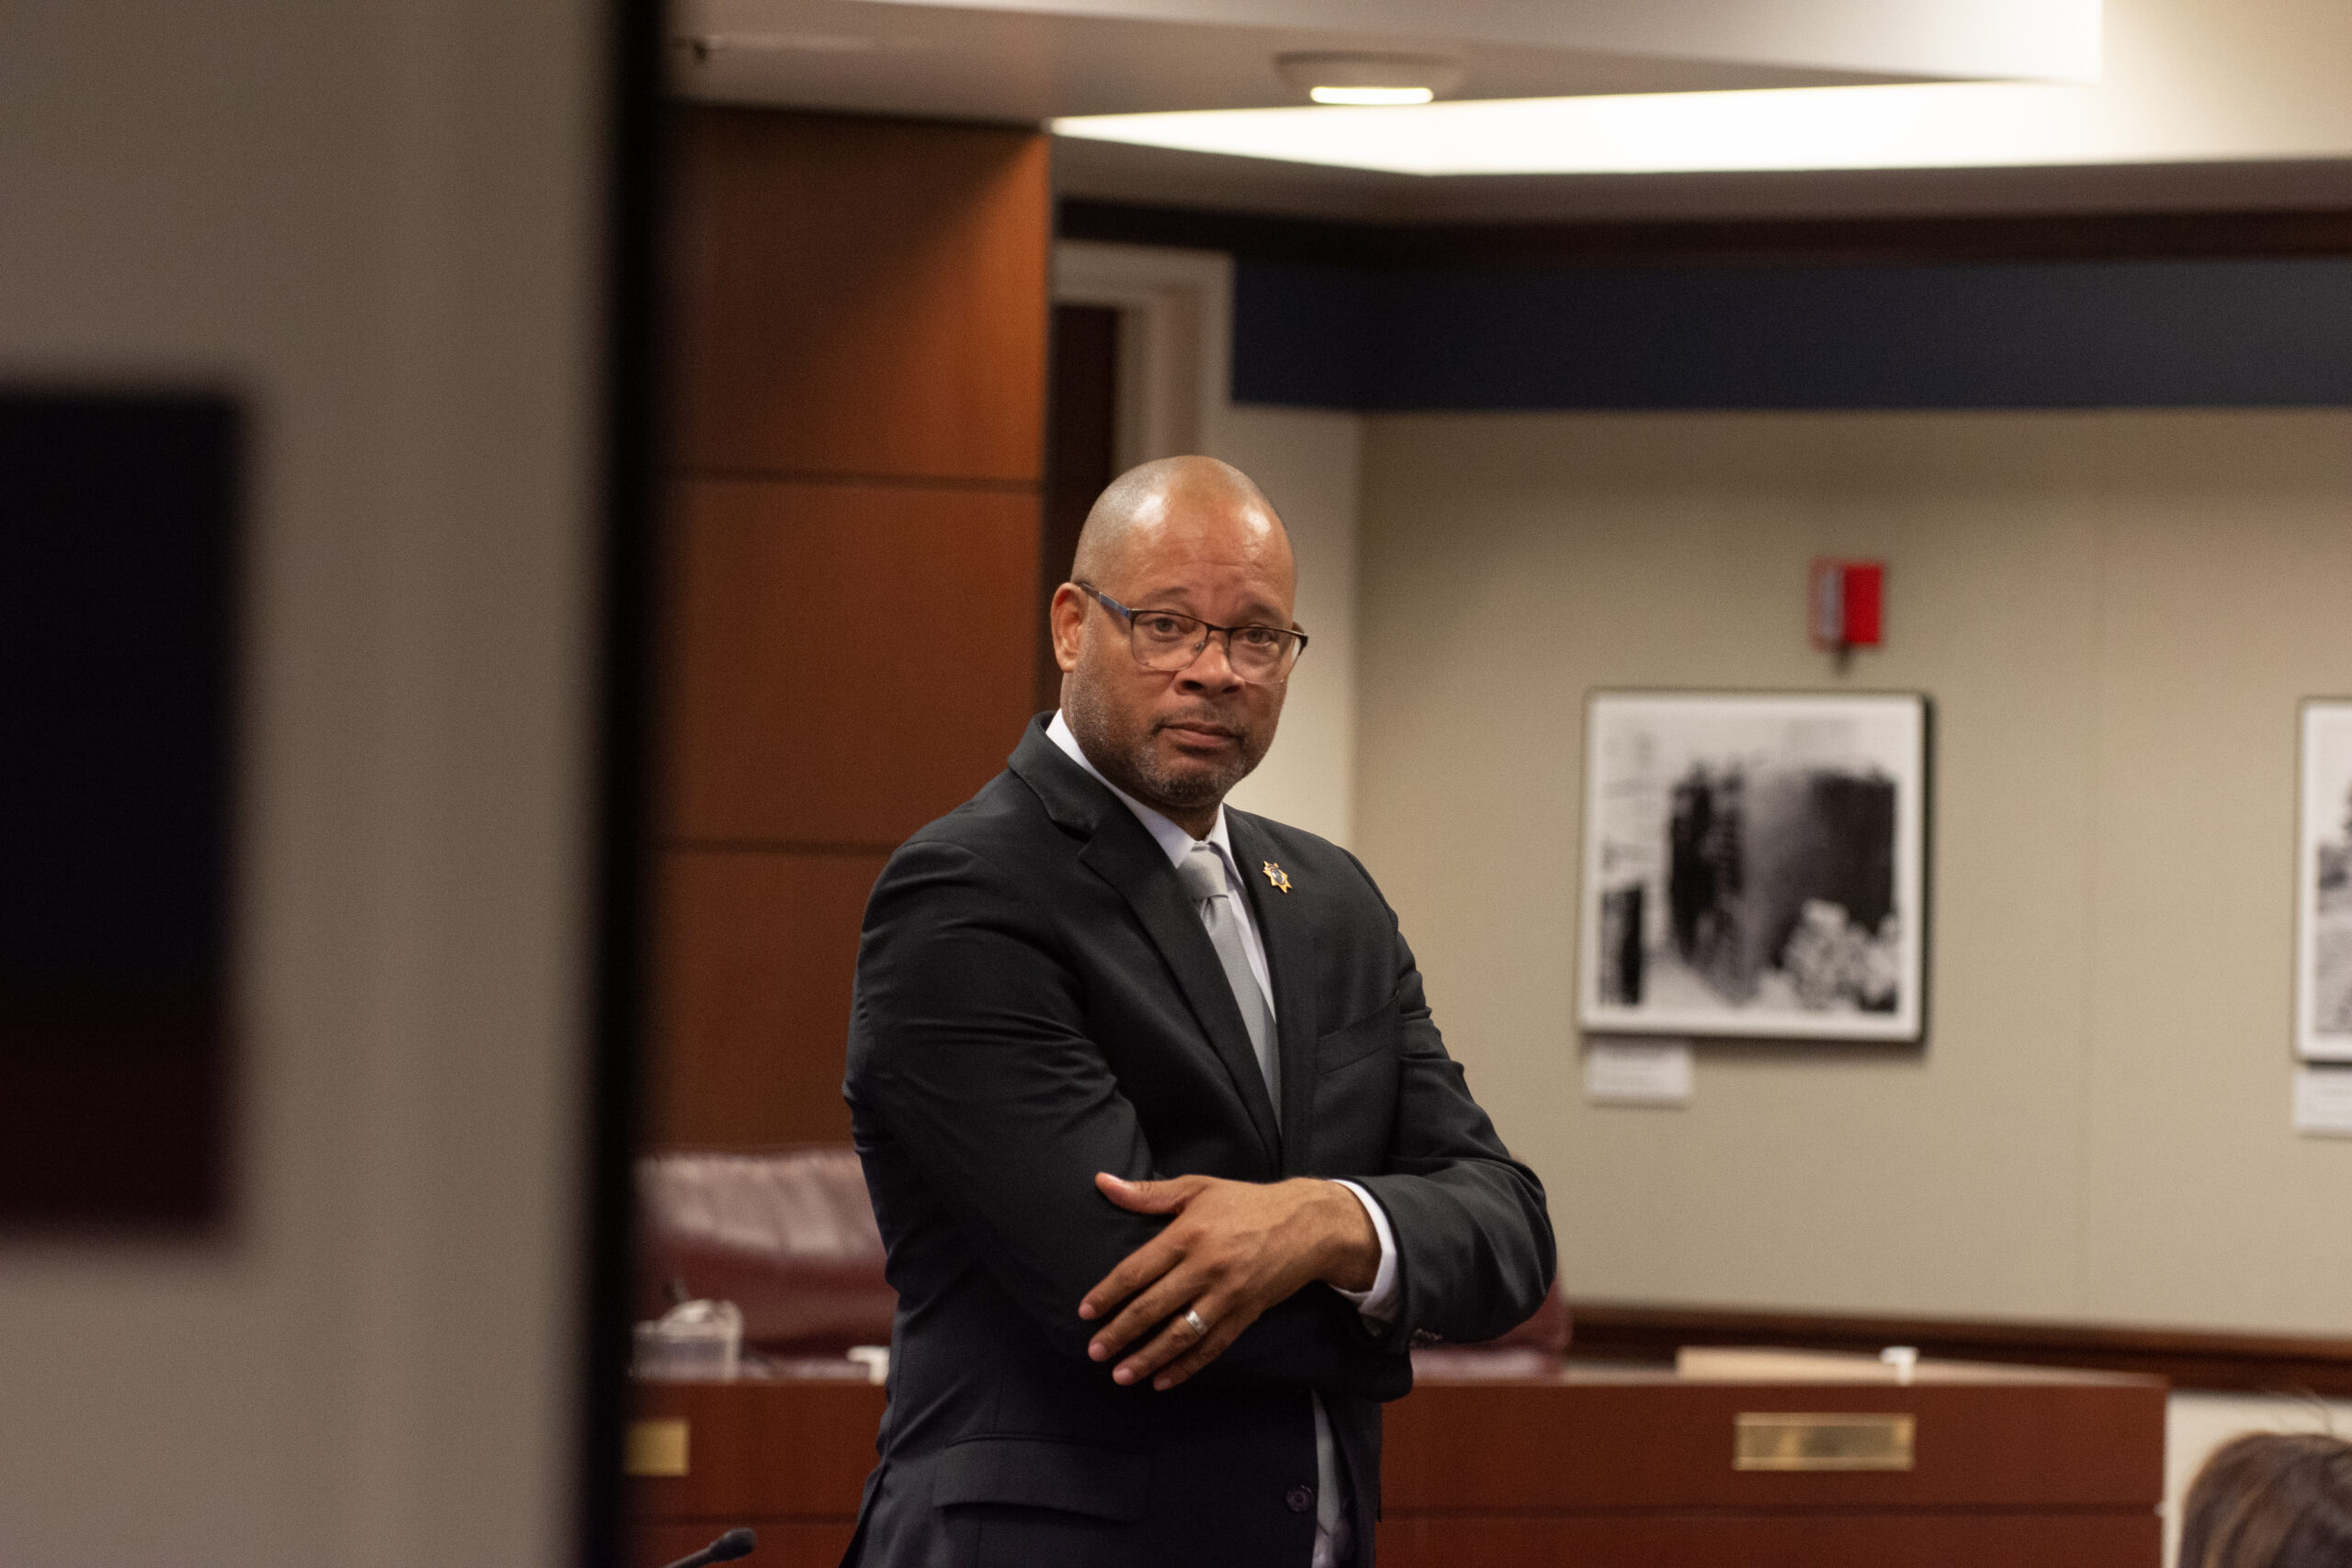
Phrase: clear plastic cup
x=693 y=1342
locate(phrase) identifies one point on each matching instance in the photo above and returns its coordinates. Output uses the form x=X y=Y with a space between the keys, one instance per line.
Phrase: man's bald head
x=1156 y=501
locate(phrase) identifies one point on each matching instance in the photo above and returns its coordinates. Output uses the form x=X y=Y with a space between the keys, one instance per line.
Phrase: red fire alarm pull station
x=1846 y=604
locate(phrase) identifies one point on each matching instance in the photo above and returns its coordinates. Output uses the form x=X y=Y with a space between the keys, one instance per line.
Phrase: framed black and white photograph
x=1754 y=866
x=2324 y=886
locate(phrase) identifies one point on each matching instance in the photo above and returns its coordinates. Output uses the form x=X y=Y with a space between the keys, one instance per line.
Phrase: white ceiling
x=1109 y=171
x=2198 y=103
x=2056 y=38
x=971 y=62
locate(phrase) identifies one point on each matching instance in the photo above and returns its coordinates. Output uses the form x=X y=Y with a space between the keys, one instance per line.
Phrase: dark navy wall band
x=2067 y=335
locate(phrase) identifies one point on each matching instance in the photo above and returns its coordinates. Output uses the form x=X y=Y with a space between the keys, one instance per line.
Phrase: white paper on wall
x=1638 y=1072
x=2324 y=1102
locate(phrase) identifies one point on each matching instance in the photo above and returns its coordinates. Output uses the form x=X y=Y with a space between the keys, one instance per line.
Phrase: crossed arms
x=972 y=1050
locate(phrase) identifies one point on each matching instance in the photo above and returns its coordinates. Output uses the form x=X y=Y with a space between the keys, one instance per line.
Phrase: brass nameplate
x=1850 y=1442
x=656 y=1448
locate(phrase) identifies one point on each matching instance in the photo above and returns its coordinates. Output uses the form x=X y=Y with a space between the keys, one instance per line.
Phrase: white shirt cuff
x=1379 y=1304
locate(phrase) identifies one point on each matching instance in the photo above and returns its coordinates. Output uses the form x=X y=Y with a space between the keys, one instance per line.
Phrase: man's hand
x=1234 y=1250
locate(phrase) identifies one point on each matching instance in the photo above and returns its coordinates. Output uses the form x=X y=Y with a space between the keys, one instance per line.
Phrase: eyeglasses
x=1166 y=641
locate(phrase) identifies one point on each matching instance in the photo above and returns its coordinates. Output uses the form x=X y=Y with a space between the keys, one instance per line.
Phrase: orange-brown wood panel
x=860 y=296
x=848 y=660
x=1599 y=1445
x=757 y=949
x=783 y=1543
x=1765 y=1540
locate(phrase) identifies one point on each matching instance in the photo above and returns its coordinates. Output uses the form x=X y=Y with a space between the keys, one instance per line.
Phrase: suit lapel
x=1119 y=849
x=1290 y=964
x=1133 y=864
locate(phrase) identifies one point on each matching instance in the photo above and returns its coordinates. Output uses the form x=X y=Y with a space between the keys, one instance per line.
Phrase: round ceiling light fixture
x=1361 y=78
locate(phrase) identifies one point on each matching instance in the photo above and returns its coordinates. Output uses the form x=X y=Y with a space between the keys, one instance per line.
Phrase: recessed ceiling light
x=1370 y=96
x=1369 y=78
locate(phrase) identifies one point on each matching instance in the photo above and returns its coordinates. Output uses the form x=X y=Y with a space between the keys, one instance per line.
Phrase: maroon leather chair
x=788 y=1236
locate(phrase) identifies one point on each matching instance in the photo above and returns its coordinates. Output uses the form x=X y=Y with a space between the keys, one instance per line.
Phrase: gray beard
x=1138 y=771
x=1195 y=789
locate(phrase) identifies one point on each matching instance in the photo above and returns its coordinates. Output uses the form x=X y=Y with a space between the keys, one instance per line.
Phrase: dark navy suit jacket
x=1037 y=1000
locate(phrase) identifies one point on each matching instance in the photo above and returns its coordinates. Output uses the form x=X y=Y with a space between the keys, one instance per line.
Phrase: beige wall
x=1306 y=462
x=377 y=219
x=2115 y=614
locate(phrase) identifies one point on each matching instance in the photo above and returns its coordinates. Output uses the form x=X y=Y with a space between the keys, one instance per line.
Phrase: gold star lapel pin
x=1275 y=875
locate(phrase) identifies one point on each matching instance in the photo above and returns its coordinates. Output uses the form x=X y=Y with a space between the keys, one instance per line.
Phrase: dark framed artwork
x=119 y=587
x=1755 y=865
x=2324 y=884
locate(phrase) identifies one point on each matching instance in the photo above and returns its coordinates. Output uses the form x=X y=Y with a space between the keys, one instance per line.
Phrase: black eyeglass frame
x=1208 y=629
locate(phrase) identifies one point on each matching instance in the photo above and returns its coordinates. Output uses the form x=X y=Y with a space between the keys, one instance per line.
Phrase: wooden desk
x=2016 y=1466
x=1579 y=1466
x=787 y=1458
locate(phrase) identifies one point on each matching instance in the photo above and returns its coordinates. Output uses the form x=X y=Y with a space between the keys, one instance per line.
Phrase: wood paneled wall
x=861 y=330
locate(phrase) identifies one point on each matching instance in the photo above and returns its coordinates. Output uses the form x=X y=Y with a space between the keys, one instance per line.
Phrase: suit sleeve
x=968 y=1048
x=1474 y=1239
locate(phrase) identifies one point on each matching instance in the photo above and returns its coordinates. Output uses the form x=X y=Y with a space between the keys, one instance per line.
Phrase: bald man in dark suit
x=1171 y=1160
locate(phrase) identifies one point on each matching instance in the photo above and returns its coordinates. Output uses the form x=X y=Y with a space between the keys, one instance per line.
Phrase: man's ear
x=1067 y=617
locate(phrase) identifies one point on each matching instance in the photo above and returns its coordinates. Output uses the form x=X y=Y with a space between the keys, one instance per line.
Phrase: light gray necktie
x=1204 y=875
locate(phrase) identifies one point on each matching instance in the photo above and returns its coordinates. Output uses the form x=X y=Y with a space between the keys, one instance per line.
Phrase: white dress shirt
x=1333 y=1529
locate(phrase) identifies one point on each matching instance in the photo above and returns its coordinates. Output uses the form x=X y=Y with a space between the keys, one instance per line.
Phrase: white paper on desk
x=1637 y=1072
x=2324 y=1102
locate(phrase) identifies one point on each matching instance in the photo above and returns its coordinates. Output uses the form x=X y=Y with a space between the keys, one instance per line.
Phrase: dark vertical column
x=1081 y=438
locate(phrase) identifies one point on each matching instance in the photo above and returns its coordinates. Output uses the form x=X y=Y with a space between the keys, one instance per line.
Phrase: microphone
x=737 y=1543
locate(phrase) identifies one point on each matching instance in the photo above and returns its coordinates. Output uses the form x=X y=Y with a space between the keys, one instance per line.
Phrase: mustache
x=1204 y=719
